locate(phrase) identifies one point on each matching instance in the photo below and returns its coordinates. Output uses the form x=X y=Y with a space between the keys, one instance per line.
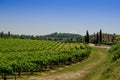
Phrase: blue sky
x=39 y=17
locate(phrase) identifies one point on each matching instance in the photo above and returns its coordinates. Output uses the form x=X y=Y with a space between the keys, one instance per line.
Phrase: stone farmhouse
x=105 y=37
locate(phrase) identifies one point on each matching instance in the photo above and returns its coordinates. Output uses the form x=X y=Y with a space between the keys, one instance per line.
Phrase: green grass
x=96 y=72
x=113 y=70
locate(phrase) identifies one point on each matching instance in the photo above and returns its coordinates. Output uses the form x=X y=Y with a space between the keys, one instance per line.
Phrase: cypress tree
x=97 y=39
x=100 y=36
x=2 y=34
x=87 y=37
x=8 y=34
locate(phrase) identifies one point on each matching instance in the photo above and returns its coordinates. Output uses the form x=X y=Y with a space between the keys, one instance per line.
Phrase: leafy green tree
x=79 y=40
x=118 y=38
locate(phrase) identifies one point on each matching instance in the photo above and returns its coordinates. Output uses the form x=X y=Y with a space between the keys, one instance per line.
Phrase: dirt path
x=105 y=46
x=73 y=75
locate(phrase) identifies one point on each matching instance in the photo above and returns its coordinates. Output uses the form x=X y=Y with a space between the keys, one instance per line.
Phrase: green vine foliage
x=18 y=55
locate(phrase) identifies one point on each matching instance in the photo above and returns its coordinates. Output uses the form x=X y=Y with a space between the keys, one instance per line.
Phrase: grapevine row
x=37 y=55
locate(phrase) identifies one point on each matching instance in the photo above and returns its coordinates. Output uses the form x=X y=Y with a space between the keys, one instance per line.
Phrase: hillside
x=63 y=37
x=69 y=37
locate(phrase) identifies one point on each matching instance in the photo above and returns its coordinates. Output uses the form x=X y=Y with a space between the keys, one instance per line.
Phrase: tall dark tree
x=87 y=37
x=2 y=34
x=8 y=34
x=97 y=38
x=100 y=39
x=113 y=37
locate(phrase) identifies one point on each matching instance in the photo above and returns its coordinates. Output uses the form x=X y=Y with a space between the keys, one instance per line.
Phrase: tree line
x=9 y=35
x=62 y=37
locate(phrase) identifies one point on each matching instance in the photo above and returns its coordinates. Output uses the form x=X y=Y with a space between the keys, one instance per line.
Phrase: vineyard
x=17 y=55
